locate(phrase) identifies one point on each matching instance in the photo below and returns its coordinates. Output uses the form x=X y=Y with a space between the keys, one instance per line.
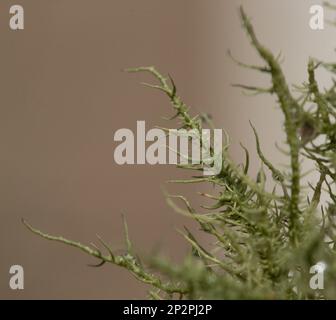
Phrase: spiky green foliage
x=265 y=240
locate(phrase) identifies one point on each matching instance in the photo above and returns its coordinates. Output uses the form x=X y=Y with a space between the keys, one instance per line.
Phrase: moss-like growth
x=265 y=241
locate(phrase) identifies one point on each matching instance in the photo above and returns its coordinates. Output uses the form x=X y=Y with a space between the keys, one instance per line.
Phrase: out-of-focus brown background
x=63 y=95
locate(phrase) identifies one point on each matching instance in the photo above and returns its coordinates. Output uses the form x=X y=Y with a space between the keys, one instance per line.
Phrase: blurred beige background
x=63 y=95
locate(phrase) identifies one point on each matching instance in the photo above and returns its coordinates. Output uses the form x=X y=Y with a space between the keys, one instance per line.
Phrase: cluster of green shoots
x=265 y=240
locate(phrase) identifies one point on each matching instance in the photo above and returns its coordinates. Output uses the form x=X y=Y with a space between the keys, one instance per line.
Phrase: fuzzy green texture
x=265 y=242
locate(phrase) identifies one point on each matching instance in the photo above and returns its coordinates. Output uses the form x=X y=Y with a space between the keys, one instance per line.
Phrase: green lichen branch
x=291 y=110
x=128 y=261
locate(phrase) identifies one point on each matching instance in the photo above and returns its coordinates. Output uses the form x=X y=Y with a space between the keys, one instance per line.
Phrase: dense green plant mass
x=265 y=242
